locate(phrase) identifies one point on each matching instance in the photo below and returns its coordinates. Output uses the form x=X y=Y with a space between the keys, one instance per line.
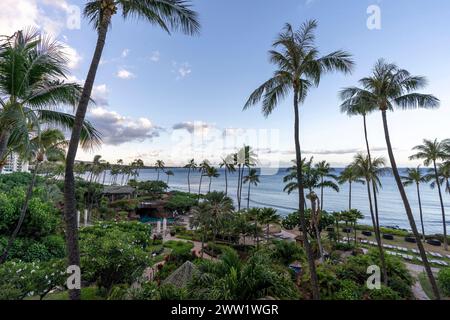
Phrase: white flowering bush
x=19 y=279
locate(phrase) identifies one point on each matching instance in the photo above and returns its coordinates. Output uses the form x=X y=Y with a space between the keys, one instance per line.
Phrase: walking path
x=415 y=270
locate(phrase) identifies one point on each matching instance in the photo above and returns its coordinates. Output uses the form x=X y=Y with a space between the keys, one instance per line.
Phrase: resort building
x=14 y=164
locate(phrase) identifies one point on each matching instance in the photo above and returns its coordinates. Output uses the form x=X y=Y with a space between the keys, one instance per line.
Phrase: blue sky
x=150 y=82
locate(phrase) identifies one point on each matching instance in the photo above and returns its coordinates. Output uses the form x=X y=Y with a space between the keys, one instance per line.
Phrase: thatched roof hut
x=181 y=276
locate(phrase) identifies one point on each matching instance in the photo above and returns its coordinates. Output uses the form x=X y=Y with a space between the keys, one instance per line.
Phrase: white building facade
x=15 y=164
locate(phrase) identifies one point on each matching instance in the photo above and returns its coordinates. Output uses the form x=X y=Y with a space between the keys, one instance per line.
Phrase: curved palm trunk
x=209 y=187
x=301 y=201
x=420 y=211
x=70 y=213
x=238 y=186
x=189 y=180
x=316 y=227
x=436 y=174
x=375 y=219
x=23 y=213
x=408 y=208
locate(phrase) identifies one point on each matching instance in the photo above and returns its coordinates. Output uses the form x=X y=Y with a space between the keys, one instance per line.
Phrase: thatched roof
x=118 y=190
x=181 y=277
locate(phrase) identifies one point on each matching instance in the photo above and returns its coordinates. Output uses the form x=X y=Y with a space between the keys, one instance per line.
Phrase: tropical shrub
x=19 y=280
x=181 y=202
x=114 y=253
x=444 y=280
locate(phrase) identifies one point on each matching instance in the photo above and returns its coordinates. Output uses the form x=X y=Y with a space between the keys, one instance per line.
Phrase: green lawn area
x=88 y=293
x=425 y=283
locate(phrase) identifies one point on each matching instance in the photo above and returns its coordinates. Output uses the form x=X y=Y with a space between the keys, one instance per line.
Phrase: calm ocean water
x=269 y=192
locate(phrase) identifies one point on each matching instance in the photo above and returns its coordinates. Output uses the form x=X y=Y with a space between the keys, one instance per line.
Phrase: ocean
x=269 y=193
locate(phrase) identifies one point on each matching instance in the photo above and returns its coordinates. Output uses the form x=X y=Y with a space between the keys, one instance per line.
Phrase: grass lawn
x=88 y=293
x=425 y=283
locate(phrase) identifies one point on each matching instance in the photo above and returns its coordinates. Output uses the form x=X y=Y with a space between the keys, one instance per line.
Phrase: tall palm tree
x=325 y=171
x=415 y=176
x=300 y=67
x=431 y=152
x=202 y=168
x=228 y=165
x=48 y=143
x=348 y=175
x=159 y=165
x=169 y=173
x=370 y=171
x=244 y=158
x=167 y=14
x=387 y=88
x=251 y=178
x=211 y=172
x=32 y=92
x=191 y=165
x=315 y=220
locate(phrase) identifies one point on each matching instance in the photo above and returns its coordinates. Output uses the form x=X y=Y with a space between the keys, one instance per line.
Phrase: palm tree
x=348 y=175
x=268 y=216
x=169 y=173
x=325 y=171
x=32 y=92
x=389 y=87
x=167 y=14
x=251 y=178
x=370 y=171
x=244 y=158
x=354 y=215
x=211 y=172
x=202 y=168
x=228 y=165
x=48 y=143
x=191 y=165
x=255 y=215
x=431 y=152
x=159 y=165
x=414 y=176
x=444 y=176
x=315 y=219
x=299 y=68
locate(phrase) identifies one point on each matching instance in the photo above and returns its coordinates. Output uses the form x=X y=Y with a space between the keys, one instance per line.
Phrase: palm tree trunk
x=408 y=210
x=157 y=171
x=241 y=184
x=226 y=182
x=301 y=201
x=350 y=196
x=248 y=196
x=209 y=188
x=237 y=195
x=189 y=180
x=377 y=235
x=4 y=138
x=375 y=219
x=69 y=181
x=442 y=205
x=200 y=186
x=23 y=213
x=321 y=196
x=420 y=211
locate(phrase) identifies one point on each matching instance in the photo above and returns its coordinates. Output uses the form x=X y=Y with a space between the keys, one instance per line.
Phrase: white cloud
x=117 y=129
x=155 y=56
x=182 y=70
x=125 y=53
x=74 y=58
x=125 y=74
